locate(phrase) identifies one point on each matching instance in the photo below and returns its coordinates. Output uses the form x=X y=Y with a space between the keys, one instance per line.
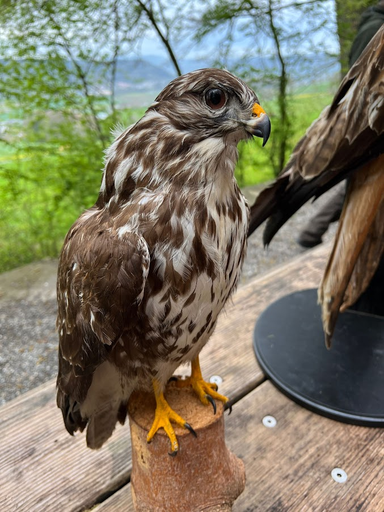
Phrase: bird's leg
x=206 y=391
x=163 y=417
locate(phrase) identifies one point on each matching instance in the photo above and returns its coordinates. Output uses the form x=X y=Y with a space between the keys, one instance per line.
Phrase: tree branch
x=81 y=75
x=114 y=59
x=283 y=81
x=148 y=11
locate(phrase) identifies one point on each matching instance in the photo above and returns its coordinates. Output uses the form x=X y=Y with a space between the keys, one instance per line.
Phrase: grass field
x=45 y=186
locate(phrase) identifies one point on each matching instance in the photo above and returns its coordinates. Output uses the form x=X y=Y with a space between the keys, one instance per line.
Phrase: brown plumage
x=346 y=140
x=144 y=273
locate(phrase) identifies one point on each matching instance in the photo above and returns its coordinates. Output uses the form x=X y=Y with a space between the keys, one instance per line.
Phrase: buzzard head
x=213 y=103
x=190 y=131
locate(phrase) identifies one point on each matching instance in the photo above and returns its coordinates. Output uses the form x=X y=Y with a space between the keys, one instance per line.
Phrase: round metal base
x=345 y=383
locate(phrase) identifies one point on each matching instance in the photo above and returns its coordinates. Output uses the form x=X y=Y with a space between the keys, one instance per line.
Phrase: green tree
x=61 y=55
x=348 y=18
x=58 y=68
x=295 y=30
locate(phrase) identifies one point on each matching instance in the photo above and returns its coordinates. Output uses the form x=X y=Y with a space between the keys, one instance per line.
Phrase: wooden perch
x=204 y=476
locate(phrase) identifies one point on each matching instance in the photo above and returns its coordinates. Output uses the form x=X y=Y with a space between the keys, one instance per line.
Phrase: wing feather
x=347 y=135
x=367 y=262
x=358 y=220
x=101 y=281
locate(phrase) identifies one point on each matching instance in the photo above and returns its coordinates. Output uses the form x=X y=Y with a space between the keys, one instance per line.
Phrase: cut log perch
x=204 y=476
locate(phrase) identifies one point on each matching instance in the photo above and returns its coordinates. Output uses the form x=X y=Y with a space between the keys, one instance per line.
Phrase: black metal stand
x=345 y=383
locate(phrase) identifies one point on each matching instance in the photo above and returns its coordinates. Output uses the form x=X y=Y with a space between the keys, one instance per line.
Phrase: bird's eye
x=215 y=98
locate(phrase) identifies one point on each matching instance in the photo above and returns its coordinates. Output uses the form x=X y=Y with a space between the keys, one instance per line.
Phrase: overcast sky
x=152 y=46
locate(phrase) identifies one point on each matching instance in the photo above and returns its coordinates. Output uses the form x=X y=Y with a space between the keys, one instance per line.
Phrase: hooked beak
x=259 y=125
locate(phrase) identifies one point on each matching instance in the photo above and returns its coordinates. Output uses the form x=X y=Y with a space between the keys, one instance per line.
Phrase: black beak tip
x=266 y=130
x=263 y=129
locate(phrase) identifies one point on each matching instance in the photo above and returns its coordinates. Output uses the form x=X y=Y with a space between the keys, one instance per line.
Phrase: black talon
x=188 y=426
x=173 y=379
x=216 y=386
x=229 y=408
x=212 y=402
x=172 y=454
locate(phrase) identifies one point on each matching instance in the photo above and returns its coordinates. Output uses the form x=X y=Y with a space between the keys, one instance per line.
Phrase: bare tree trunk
x=83 y=79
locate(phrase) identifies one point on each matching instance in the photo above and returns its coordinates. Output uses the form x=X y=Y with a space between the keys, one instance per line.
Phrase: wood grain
x=43 y=468
x=288 y=467
x=120 y=501
x=159 y=481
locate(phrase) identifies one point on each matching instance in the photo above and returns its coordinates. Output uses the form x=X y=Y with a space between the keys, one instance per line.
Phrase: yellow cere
x=257 y=110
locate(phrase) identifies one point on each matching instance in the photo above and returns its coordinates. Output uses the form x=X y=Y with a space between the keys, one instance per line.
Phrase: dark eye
x=215 y=98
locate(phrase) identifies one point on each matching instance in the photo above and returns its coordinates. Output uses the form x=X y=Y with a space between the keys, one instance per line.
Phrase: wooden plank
x=289 y=467
x=121 y=501
x=42 y=467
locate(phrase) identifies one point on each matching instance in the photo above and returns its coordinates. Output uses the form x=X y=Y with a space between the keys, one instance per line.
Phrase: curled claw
x=228 y=407
x=173 y=454
x=173 y=379
x=212 y=402
x=188 y=427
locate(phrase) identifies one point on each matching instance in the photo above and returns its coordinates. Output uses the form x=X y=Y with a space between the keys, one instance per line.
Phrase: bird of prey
x=346 y=140
x=144 y=273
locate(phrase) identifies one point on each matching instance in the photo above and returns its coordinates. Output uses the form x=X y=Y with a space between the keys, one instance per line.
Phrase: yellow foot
x=163 y=417
x=206 y=391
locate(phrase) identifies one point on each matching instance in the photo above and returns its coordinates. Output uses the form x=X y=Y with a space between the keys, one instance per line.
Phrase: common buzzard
x=144 y=273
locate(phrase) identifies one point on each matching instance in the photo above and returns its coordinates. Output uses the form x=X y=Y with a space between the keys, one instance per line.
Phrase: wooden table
x=288 y=467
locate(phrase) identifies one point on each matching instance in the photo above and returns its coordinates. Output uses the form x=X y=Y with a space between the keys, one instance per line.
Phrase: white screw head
x=269 y=421
x=339 y=475
x=216 y=379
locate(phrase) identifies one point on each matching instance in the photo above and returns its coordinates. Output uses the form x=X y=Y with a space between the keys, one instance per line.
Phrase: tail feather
x=364 y=197
x=96 y=402
x=102 y=423
x=367 y=261
x=106 y=403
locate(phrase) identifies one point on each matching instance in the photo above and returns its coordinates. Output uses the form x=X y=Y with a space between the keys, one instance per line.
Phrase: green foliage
x=57 y=68
x=293 y=30
x=58 y=62
x=46 y=180
x=44 y=188
x=61 y=56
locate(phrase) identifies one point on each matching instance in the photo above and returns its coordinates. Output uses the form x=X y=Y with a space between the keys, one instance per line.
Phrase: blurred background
x=72 y=70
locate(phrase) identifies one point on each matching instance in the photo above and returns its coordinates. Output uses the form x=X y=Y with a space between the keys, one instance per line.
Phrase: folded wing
x=101 y=280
